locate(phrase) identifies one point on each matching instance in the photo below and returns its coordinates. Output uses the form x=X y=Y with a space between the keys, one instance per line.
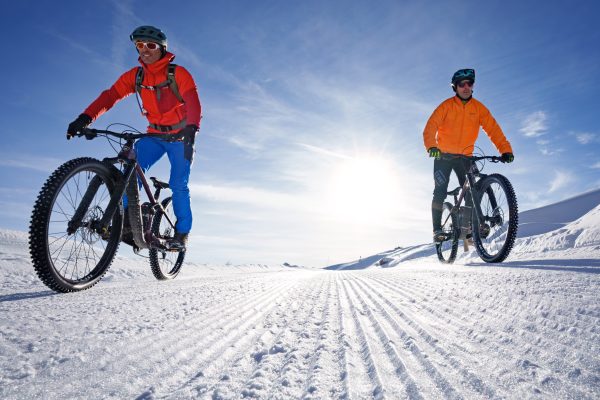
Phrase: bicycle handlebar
x=91 y=133
x=450 y=156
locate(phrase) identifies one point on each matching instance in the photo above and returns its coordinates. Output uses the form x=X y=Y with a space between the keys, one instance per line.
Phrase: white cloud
x=255 y=197
x=123 y=19
x=322 y=151
x=561 y=180
x=585 y=138
x=36 y=163
x=550 y=152
x=535 y=124
x=596 y=166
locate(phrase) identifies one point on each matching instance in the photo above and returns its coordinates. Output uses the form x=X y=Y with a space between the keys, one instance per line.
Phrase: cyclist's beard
x=464 y=98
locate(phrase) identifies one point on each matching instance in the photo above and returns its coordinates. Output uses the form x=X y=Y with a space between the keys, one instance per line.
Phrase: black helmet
x=462 y=74
x=150 y=34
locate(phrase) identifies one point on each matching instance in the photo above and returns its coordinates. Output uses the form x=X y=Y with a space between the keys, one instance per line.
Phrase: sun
x=362 y=188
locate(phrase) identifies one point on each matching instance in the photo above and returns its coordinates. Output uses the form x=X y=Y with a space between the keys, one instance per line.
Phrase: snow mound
x=581 y=237
x=557 y=215
x=568 y=229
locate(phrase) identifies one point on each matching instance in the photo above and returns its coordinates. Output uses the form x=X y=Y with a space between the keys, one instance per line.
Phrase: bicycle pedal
x=175 y=248
x=440 y=237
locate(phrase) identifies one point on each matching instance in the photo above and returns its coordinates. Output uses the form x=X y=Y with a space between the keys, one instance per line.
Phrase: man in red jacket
x=169 y=100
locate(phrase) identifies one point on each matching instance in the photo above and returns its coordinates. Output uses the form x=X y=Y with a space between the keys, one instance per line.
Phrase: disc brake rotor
x=88 y=234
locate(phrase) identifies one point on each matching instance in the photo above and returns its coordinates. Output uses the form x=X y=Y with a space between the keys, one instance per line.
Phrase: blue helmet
x=462 y=74
x=150 y=34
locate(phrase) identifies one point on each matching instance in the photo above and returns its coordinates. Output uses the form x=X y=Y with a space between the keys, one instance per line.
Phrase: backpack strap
x=171 y=82
x=139 y=78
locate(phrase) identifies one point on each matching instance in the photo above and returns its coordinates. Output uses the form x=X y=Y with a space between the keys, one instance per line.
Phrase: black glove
x=435 y=152
x=508 y=157
x=76 y=126
x=188 y=134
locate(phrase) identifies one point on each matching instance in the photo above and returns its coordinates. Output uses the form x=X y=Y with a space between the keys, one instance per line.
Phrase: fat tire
x=40 y=219
x=449 y=259
x=513 y=223
x=155 y=261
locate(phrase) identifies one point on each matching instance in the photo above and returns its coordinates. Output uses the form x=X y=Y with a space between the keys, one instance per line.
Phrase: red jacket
x=168 y=111
x=453 y=127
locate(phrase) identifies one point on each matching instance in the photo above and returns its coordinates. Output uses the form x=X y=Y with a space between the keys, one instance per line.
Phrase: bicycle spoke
x=72 y=258
x=494 y=231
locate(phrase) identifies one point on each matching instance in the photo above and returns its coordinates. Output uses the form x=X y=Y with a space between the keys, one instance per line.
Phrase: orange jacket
x=166 y=111
x=453 y=127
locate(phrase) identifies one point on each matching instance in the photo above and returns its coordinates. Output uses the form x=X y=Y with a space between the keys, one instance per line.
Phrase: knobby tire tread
x=511 y=198
x=454 y=239
x=40 y=216
x=154 y=254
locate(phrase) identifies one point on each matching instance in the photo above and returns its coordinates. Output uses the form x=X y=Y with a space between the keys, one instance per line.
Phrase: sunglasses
x=465 y=83
x=148 y=45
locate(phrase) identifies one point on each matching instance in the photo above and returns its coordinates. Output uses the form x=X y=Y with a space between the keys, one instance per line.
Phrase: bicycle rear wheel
x=66 y=251
x=165 y=264
x=446 y=250
x=497 y=230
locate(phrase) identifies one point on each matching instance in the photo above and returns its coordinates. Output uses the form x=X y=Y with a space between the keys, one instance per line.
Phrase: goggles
x=148 y=45
x=465 y=83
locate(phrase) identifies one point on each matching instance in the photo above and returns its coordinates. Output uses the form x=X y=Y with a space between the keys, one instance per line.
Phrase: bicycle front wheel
x=67 y=253
x=497 y=230
x=446 y=250
x=165 y=264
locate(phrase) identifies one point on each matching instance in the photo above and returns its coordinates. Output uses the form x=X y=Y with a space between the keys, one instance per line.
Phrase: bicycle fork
x=100 y=227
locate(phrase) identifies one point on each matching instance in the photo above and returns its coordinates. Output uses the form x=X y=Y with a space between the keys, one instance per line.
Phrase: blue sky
x=310 y=149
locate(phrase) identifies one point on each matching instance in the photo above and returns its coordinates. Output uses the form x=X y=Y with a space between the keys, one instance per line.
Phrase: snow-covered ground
x=394 y=325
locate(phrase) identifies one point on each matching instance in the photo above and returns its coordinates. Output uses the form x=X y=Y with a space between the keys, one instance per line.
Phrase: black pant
x=441 y=177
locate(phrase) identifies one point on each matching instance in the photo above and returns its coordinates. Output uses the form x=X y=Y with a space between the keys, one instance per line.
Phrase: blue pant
x=149 y=150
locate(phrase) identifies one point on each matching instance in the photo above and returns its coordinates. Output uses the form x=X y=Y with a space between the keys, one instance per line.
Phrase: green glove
x=508 y=157
x=435 y=152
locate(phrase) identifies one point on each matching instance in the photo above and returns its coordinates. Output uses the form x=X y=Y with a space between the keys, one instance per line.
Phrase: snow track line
x=270 y=364
x=297 y=360
x=108 y=360
x=320 y=363
x=414 y=309
x=235 y=360
x=171 y=354
x=216 y=316
x=319 y=349
x=400 y=368
x=416 y=306
x=365 y=350
x=491 y=307
x=343 y=343
x=473 y=380
x=219 y=348
x=232 y=304
x=524 y=340
x=446 y=389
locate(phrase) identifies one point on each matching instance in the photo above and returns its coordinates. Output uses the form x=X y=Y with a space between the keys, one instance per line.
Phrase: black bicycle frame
x=127 y=157
x=470 y=186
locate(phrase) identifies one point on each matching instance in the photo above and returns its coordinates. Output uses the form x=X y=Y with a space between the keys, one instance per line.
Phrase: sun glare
x=363 y=188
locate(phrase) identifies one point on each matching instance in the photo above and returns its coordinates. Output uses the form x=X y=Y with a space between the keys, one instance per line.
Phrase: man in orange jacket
x=169 y=100
x=453 y=128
